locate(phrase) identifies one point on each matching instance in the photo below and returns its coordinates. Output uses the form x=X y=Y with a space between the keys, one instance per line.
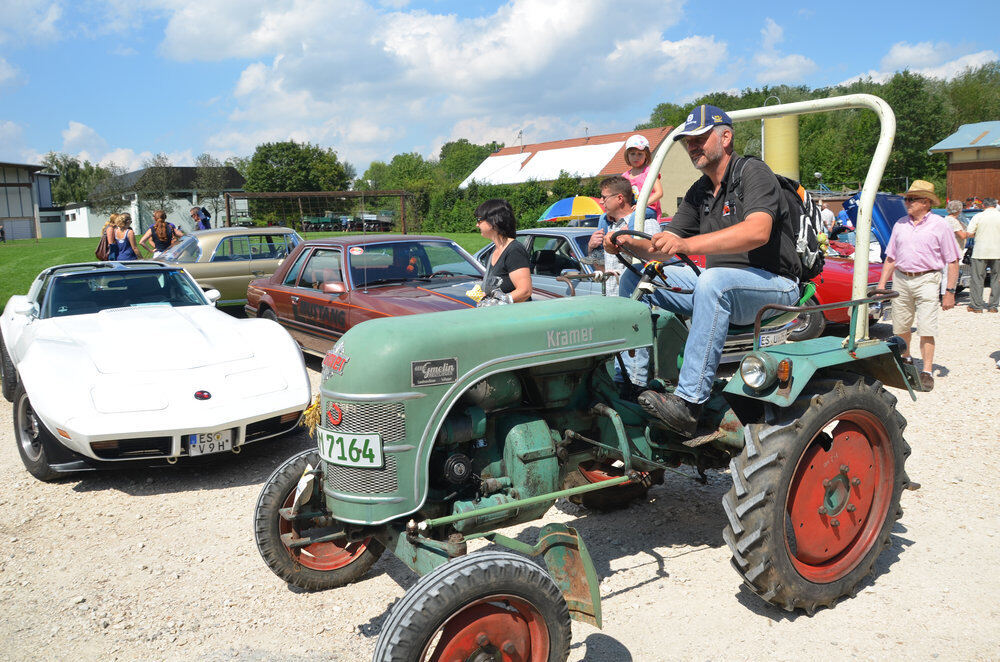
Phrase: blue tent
x=888 y=209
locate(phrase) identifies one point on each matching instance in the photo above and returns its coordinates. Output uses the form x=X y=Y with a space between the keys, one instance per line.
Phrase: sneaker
x=676 y=412
x=927 y=381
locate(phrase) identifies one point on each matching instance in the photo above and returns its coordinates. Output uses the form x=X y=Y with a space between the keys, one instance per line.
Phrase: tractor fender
x=876 y=358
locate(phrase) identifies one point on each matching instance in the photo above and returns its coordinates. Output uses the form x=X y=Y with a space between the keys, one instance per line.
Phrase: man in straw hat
x=921 y=246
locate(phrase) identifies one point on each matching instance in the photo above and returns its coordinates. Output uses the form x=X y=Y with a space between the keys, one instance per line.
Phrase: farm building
x=26 y=209
x=591 y=156
x=973 y=160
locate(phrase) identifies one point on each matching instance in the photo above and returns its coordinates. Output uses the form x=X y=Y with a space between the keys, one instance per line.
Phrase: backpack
x=805 y=218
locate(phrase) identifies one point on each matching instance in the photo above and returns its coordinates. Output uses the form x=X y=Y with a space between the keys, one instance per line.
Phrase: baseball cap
x=702 y=119
x=637 y=141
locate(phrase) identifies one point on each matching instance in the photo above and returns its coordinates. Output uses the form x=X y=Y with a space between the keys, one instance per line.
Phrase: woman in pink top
x=638 y=158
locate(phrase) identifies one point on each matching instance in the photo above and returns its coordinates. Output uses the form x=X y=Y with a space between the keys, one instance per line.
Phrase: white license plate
x=350 y=450
x=775 y=338
x=203 y=443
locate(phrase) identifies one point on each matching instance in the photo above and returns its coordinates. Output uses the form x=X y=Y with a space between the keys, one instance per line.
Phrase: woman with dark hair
x=508 y=267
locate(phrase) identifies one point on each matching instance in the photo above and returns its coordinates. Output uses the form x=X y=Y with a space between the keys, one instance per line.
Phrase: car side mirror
x=334 y=287
x=213 y=295
x=23 y=308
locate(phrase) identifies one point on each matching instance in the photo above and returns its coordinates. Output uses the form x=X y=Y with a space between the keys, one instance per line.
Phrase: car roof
x=225 y=232
x=107 y=267
x=360 y=239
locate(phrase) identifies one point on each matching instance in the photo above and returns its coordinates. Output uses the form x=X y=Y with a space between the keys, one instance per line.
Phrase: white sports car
x=112 y=362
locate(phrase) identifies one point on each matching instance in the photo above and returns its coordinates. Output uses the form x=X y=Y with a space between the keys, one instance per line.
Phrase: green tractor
x=440 y=429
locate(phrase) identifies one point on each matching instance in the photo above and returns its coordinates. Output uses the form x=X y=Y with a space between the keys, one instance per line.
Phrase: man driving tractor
x=746 y=235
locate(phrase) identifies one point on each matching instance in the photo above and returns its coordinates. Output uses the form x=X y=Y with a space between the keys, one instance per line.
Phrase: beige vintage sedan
x=227 y=259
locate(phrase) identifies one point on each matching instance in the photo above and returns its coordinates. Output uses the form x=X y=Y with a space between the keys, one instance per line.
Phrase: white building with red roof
x=591 y=156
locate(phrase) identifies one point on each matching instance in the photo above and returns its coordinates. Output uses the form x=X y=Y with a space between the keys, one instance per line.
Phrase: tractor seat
x=807 y=291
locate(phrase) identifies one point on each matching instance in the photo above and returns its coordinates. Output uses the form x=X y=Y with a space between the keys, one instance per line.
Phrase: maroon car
x=326 y=286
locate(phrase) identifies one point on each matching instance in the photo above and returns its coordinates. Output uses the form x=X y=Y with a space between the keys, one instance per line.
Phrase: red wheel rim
x=321 y=555
x=498 y=625
x=839 y=497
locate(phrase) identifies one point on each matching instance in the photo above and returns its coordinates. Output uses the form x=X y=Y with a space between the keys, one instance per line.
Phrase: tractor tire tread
x=752 y=503
x=272 y=496
x=439 y=593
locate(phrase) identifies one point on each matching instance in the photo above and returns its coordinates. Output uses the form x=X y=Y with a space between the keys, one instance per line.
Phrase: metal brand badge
x=335 y=362
x=430 y=373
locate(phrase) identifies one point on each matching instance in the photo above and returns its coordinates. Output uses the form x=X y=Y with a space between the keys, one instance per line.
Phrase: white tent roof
x=544 y=165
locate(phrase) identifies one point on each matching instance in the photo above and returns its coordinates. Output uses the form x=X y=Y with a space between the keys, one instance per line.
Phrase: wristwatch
x=950 y=289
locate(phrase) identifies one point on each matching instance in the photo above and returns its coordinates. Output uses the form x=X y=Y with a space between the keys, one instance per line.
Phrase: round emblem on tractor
x=334 y=415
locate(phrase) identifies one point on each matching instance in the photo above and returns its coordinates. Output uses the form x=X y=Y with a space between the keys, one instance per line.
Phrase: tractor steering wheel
x=642 y=235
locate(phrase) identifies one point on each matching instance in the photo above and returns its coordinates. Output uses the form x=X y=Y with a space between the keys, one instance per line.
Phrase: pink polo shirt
x=926 y=246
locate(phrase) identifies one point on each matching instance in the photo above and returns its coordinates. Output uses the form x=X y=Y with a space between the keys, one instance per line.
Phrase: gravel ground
x=161 y=564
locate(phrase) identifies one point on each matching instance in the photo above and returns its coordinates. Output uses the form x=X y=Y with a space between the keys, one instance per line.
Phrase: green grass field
x=22 y=260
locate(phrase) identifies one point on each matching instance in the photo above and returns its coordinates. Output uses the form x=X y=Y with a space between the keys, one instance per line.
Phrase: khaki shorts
x=918 y=297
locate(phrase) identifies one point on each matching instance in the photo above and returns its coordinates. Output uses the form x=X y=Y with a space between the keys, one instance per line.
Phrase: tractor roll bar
x=887 y=132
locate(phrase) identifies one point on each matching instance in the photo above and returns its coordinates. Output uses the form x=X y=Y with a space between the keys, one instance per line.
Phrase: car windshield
x=185 y=250
x=83 y=294
x=400 y=261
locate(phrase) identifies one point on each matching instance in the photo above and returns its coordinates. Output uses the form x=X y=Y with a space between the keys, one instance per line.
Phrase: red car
x=326 y=286
x=832 y=285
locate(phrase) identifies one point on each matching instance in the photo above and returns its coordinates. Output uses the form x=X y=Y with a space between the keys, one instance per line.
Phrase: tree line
x=838 y=145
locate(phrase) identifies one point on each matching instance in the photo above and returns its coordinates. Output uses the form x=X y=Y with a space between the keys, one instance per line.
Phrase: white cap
x=636 y=141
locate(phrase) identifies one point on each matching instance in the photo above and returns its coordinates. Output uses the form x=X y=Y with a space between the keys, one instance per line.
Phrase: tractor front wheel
x=491 y=605
x=316 y=567
x=816 y=491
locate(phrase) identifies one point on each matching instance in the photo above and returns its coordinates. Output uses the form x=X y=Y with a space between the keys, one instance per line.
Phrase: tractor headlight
x=758 y=370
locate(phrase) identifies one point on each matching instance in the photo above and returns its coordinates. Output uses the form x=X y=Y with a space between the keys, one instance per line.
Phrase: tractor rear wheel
x=490 y=605
x=816 y=492
x=319 y=566
x=611 y=498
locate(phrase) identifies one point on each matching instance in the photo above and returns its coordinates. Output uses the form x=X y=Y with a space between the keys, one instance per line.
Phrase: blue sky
x=121 y=80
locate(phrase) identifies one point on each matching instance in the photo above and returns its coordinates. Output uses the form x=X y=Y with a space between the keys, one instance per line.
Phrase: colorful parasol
x=568 y=209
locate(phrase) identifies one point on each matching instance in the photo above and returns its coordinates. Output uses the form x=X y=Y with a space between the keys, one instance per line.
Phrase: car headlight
x=758 y=370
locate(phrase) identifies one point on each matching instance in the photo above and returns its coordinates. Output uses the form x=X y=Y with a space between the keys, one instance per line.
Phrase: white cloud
x=390 y=78
x=941 y=61
x=772 y=66
x=906 y=56
x=8 y=72
x=78 y=137
x=771 y=34
x=28 y=21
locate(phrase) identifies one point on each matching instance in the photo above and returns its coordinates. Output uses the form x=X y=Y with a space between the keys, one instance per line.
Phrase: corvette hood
x=152 y=338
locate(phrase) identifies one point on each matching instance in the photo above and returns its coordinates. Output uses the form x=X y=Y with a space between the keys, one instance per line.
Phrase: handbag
x=103 y=251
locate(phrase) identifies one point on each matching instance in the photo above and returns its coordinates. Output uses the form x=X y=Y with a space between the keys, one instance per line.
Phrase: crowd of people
x=123 y=246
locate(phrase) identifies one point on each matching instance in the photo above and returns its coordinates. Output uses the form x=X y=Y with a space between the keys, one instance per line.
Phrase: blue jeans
x=722 y=296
